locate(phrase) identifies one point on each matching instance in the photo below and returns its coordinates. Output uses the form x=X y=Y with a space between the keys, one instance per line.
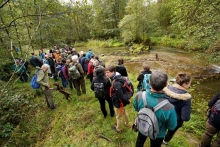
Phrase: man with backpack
x=165 y=115
x=42 y=79
x=120 y=97
x=213 y=123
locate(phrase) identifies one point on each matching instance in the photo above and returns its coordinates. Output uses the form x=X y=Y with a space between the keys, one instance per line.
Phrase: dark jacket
x=107 y=84
x=35 y=61
x=181 y=100
x=52 y=64
x=140 y=78
x=211 y=103
x=122 y=70
x=119 y=91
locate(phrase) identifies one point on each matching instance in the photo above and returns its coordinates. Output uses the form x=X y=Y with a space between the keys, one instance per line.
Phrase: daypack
x=99 y=90
x=146 y=121
x=215 y=114
x=146 y=82
x=34 y=84
x=59 y=70
x=73 y=71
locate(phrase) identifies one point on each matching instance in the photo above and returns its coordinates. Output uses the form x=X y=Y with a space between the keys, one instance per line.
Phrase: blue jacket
x=166 y=116
x=181 y=100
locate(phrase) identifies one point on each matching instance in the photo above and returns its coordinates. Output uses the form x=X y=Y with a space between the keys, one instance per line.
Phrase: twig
x=100 y=135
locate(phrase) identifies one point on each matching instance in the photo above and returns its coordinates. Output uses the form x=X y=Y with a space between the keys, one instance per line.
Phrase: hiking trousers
x=153 y=143
x=208 y=135
x=119 y=118
x=80 y=82
x=49 y=98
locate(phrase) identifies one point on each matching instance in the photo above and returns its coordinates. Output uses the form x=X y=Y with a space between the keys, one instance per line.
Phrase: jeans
x=153 y=143
x=170 y=133
x=208 y=135
x=65 y=82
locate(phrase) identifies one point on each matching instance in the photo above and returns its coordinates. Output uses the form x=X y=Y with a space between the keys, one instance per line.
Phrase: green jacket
x=166 y=116
x=42 y=79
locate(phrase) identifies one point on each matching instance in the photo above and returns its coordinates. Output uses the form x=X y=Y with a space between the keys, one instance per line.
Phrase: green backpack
x=73 y=71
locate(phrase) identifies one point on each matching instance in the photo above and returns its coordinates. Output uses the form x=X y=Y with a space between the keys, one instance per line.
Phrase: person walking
x=178 y=96
x=212 y=124
x=101 y=79
x=120 y=68
x=118 y=98
x=166 y=116
x=42 y=79
x=140 y=78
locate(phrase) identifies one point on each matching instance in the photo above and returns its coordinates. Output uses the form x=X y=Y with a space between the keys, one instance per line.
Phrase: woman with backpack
x=140 y=78
x=101 y=85
x=178 y=96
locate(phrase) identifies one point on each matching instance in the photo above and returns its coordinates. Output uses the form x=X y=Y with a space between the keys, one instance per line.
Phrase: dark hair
x=110 y=68
x=120 y=61
x=182 y=78
x=100 y=74
x=96 y=57
x=158 y=80
x=146 y=67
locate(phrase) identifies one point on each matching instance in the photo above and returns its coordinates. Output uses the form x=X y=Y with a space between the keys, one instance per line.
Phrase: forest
x=29 y=25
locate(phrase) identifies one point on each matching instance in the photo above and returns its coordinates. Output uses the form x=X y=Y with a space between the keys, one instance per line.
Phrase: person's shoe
x=114 y=128
x=164 y=142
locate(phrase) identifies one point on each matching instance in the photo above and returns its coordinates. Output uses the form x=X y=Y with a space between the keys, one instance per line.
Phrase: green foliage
x=5 y=130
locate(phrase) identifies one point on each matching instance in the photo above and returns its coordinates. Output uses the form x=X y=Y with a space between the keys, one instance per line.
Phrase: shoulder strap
x=144 y=98
x=160 y=105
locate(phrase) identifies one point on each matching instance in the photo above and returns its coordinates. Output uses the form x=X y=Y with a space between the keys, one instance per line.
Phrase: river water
x=171 y=60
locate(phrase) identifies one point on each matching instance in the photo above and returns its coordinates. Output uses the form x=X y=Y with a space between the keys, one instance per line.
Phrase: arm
x=172 y=120
x=214 y=99
x=80 y=69
x=119 y=92
x=185 y=111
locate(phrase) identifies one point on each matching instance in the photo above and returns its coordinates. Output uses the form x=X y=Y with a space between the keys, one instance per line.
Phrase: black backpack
x=99 y=90
x=214 y=116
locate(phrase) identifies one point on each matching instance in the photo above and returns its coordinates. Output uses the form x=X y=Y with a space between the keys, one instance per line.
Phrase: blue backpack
x=146 y=82
x=34 y=84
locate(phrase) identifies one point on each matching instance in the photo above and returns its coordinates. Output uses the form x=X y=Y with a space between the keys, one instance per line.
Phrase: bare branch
x=4 y=3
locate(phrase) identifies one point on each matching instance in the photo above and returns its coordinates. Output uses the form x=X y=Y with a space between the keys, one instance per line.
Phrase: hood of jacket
x=177 y=92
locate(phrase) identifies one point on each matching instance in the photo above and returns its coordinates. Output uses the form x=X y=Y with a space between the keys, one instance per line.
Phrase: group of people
x=170 y=117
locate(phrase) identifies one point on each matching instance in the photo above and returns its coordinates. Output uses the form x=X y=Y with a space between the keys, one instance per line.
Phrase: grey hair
x=45 y=66
x=158 y=80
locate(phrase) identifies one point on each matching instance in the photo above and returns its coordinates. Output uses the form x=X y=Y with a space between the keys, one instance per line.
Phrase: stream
x=171 y=61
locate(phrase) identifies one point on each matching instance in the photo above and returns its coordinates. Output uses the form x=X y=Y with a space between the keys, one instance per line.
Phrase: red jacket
x=90 y=68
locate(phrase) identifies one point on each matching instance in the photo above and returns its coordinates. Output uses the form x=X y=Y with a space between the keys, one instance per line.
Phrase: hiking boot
x=114 y=128
x=165 y=143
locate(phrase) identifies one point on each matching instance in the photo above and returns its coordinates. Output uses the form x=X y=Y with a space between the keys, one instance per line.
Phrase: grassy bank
x=79 y=122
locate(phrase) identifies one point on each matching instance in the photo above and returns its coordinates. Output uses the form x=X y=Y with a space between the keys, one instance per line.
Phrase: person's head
x=73 y=49
x=146 y=67
x=45 y=67
x=120 y=61
x=46 y=56
x=183 y=80
x=110 y=70
x=68 y=61
x=99 y=73
x=96 y=57
x=96 y=63
x=74 y=58
x=81 y=53
x=158 y=80
x=92 y=56
x=32 y=53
